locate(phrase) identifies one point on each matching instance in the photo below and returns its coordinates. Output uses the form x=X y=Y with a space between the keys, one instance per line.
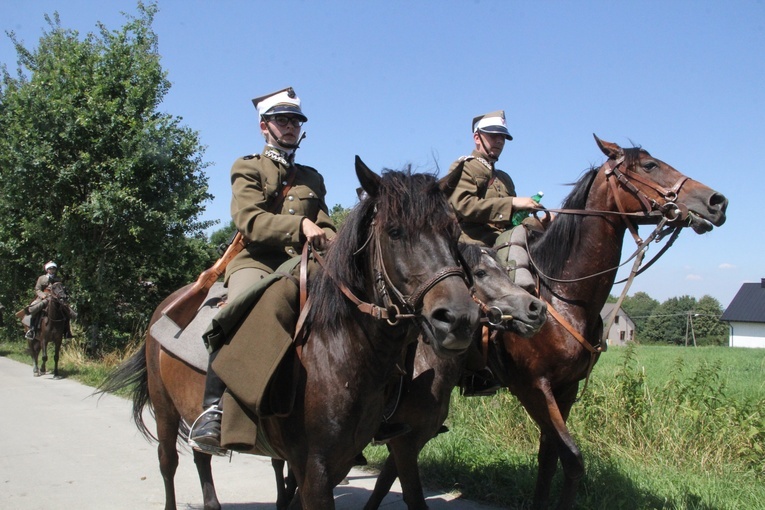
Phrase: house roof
x=748 y=305
x=608 y=309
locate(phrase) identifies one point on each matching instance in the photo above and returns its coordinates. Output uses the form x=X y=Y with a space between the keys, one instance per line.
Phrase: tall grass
x=659 y=428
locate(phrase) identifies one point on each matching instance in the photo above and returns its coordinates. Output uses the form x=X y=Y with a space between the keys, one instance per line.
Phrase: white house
x=623 y=328
x=745 y=316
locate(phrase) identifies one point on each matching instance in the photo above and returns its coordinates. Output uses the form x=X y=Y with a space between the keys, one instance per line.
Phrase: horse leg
x=385 y=480
x=315 y=493
x=203 y=461
x=56 y=353
x=44 y=350
x=571 y=458
x=34 y=350
x=285 y=487
x=555 y=442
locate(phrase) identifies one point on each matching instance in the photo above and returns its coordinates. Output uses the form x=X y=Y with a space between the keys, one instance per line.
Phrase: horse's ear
x=611 y=150
x=448 y=183
x=369 y=180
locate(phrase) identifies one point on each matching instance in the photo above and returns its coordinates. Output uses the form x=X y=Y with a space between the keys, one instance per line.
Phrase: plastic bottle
x=522 y=214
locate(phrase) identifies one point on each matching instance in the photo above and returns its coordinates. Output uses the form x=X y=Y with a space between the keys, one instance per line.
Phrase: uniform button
x=290 y=198
x=292 y=211
x=287 y=234
x=310 y=194
x=284 y=183
x=291 y=251
x=500 y=216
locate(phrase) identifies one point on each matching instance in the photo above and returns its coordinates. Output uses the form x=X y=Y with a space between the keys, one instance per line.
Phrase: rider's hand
x=525 y=203
x=314 y=234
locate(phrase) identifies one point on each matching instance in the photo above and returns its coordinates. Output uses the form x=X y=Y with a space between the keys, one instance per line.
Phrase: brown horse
x=576 y=260
x=430 y=379
x=53 y=324
x=397 y=254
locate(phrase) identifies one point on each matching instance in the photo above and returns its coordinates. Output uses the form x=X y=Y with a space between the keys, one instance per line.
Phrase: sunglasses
x=283 y=121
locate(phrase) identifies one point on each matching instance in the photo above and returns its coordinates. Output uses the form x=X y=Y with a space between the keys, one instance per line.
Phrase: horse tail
x=133 y=375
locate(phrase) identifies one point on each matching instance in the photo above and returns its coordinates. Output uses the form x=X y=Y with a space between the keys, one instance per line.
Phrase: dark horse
x=576 y=259
x=52 y=327
x=397 y=255
x=430 y=380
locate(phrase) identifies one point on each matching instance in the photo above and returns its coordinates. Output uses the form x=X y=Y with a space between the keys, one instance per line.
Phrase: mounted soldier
x=485 y=202
x=42 y=292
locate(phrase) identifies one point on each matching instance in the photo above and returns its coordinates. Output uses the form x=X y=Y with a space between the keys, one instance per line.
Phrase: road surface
x=63 y=448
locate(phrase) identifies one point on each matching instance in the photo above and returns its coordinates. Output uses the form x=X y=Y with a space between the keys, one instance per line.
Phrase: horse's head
x=642 y=183
x=505 y=304
x=58 y=291
x=415 y=259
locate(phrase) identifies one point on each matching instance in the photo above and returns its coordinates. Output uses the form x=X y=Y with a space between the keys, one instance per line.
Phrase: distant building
x=623 y=328
x=745 y=316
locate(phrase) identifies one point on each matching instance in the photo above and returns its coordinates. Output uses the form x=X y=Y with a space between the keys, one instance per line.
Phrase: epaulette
x=466 y=158
x=251 y=156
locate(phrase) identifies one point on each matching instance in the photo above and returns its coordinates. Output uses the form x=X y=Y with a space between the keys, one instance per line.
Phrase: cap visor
x=286 y=110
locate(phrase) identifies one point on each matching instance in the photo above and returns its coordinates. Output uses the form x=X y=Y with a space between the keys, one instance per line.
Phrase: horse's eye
x=648 y=166
x=480 y=273
x=395 y=233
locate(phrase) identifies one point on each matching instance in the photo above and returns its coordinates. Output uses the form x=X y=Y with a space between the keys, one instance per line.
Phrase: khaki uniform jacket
x=42 y=283
x=256 y=183
x=482 y=200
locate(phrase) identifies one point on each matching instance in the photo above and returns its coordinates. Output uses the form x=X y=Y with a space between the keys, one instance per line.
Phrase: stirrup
x=201 y=447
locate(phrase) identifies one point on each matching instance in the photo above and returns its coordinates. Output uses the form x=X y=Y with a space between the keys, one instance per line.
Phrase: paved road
x=63 y=448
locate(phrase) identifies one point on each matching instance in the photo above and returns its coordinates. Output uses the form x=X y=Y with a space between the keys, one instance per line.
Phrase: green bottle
x=522 y=214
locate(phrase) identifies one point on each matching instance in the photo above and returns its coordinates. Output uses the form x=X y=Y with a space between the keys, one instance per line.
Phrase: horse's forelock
x=413 y=201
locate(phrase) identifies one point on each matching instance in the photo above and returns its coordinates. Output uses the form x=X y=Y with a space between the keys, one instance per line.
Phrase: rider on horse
x=485 y=201
x=278 y=206
x=42 y=292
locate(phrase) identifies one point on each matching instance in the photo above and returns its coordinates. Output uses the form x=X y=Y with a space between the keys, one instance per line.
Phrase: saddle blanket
x=187 y=344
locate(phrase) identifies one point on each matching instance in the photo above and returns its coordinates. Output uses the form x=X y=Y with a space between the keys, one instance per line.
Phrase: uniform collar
x=482 y=158
x=279 y=155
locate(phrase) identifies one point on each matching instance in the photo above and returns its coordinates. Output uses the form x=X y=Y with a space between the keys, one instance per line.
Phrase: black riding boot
x=205 y=432
x=479 y=383
x=33 y=324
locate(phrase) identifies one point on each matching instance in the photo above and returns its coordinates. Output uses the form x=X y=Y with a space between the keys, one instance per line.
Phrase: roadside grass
x=659 y=428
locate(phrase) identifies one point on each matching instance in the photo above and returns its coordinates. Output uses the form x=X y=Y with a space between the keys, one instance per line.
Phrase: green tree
x=338 y=214
x=669 y=323
x=94 y=176
x=706 y=322
x=639 y=307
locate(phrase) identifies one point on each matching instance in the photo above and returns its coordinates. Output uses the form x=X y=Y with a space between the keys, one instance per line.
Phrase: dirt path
x=63 y=448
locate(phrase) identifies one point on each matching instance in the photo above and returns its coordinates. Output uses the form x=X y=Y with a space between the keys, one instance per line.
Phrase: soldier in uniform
x=258 y=185
x=485 y=198
x=484 y=201
x=41 y=285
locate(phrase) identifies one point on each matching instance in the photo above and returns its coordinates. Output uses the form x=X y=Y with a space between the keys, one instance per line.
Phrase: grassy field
x=659 y=428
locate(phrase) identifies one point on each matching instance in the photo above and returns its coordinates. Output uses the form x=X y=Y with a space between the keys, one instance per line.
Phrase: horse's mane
x=550 y=250
x=412 y=203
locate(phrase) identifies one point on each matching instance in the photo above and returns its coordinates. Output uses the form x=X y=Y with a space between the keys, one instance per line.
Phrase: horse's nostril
x=718 y=200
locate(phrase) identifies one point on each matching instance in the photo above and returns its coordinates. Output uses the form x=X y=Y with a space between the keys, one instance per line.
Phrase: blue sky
x=398 y=82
